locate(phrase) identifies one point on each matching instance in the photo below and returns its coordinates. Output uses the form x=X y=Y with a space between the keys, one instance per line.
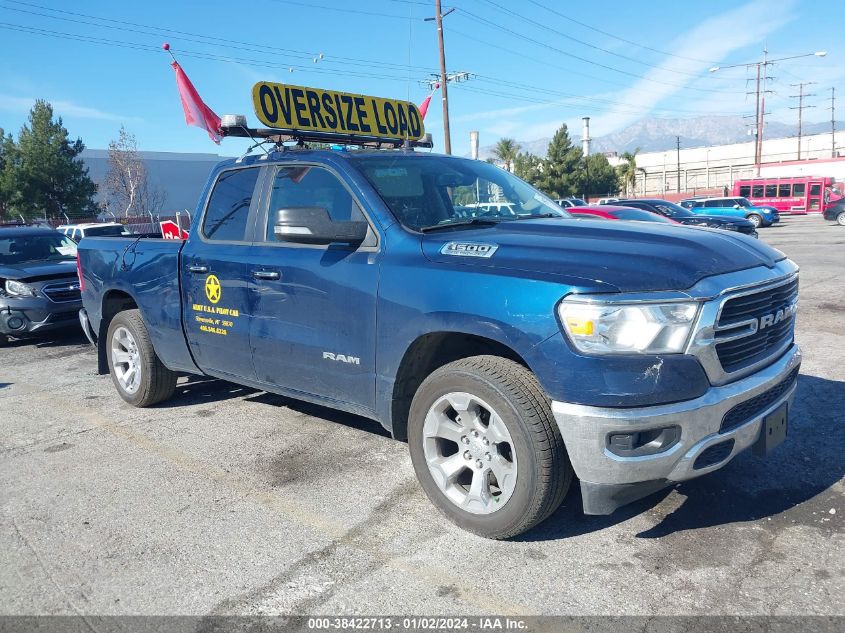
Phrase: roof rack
x=279 y=136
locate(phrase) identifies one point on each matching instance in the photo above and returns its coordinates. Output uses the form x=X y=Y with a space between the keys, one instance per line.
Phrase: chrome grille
x=742 y=339
x=62 y=292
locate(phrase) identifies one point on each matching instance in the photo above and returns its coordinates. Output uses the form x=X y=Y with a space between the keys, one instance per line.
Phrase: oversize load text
x=298 y=108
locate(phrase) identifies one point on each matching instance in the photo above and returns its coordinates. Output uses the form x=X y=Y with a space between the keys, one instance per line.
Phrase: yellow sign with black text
x=284 y=106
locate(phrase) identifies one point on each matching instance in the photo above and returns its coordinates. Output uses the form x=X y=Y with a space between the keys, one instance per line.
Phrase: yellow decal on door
x=212 y=288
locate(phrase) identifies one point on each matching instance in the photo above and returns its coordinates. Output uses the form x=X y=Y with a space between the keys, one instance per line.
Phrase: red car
x=610 y=212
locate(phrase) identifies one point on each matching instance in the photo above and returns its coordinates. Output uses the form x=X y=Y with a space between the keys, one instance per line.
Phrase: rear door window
x=228 y=208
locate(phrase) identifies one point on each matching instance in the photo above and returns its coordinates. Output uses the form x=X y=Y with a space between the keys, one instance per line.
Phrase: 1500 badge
x=469 y=249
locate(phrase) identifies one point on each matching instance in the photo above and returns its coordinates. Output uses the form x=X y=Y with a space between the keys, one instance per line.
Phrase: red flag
x=196 y=112
x=426 y=101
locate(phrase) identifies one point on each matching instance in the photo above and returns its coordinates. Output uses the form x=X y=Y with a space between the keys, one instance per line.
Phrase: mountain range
x=654 y=135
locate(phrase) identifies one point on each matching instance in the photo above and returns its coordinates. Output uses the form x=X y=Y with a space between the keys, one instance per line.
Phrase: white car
x=571 y=202
x=102 y=229
x=608 y=200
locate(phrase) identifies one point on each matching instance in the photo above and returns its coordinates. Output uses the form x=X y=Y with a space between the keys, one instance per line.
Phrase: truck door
x=814 y=196
x=215 y=288
x=314 y=307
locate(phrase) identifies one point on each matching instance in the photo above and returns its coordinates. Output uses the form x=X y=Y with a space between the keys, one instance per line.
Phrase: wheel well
x=429 y=352
x=114 y=301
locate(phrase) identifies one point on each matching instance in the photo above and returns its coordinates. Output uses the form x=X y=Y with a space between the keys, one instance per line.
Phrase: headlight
x=628 y=328
x=19 y=289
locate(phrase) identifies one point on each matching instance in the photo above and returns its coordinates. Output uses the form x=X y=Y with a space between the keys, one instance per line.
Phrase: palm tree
x=506 y=150
x=628 y=170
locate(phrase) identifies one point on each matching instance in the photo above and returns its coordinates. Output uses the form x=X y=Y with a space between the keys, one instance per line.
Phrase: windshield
x=639 y=215
x=18 y=249
x=92 y=231
x=429 y=191
x=674 y=210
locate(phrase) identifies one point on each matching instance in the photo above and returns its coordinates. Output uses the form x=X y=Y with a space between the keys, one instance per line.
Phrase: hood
x=38 y=270
x=625 y=256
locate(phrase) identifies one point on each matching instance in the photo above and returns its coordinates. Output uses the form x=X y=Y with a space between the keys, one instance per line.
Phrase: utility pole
x=678 y=145
x=800 y=96
x=832 y=123
x=438 y=18
x=761 y=93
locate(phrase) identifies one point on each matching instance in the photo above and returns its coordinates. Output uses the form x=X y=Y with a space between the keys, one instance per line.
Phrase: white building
x=717 y=166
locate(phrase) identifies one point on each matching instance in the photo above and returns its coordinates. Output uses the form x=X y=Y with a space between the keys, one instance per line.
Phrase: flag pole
x=166 y=47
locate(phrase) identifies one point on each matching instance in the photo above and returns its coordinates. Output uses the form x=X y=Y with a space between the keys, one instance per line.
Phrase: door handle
x=198 y=269
x=267 y=274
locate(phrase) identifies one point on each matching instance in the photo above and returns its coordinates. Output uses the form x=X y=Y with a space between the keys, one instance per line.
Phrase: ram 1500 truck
x=511 y=346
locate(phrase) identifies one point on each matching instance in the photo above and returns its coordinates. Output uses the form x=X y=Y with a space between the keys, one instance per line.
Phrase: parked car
x=608 y=200
x=568 y=203
x=101 y=229
x=612 y=212
x=39 y=287
x=735 y=207
x=836 y=212
x=512 y=351
x=685 y=216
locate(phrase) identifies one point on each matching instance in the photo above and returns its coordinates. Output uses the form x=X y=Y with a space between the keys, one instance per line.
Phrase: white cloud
x=715 y=38
x=62 y=108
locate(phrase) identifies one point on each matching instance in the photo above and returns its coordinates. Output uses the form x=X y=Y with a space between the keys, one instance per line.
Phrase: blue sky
x=534 y=64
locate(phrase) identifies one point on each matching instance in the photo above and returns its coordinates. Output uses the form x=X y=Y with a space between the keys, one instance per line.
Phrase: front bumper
x=32 y=315
x=609 y=480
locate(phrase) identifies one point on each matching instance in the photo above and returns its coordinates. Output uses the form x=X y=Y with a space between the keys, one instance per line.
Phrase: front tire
x=486 y=448
x=756 y=220
x=840 y=219
x=136 y=371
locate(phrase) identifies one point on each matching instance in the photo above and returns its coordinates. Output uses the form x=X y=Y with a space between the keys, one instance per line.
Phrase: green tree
x=627 y=171
x=7 y=147
x=563 y=169
x=506 y=150
x=528 y=167
x=44 y=175
x=600 y=177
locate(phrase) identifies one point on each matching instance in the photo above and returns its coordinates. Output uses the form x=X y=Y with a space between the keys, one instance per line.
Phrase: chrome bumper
x=585 y=430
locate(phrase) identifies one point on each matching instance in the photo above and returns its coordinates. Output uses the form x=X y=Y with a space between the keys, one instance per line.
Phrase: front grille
x=714 y=454
x=63 y=292
x=751 y=408
x=757 y=345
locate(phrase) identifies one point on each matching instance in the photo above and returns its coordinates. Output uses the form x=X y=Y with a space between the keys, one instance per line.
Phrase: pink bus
x=798 y=195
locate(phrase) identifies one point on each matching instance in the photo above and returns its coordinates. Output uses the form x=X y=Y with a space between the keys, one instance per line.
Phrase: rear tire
x=840 y=219
x=480 y=419
x=136 y=371
x=756 y=220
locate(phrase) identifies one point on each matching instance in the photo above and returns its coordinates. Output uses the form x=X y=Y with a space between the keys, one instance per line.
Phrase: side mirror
x=313 y=225
x=736 y=206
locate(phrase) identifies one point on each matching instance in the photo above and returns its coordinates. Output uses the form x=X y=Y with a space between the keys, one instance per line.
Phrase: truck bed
x=145 y=270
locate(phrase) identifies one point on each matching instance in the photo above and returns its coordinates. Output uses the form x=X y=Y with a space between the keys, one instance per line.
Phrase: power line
x=584 y=43
x=616 y=37
x=536 y=42
x=189 y=53
x=207 y=40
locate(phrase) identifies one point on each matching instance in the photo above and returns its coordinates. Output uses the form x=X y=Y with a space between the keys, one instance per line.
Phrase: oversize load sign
x=310 y=109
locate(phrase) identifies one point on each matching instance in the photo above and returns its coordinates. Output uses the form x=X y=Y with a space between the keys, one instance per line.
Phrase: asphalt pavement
x=226 y=500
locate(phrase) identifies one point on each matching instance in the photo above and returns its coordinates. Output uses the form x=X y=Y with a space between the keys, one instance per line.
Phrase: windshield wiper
x=539 y=216
x=467 y=222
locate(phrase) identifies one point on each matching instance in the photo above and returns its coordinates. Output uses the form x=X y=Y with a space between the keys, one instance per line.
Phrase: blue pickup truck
x=513 y=347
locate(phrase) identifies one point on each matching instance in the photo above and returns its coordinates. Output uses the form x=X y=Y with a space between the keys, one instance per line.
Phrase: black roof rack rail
x=280 y=136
